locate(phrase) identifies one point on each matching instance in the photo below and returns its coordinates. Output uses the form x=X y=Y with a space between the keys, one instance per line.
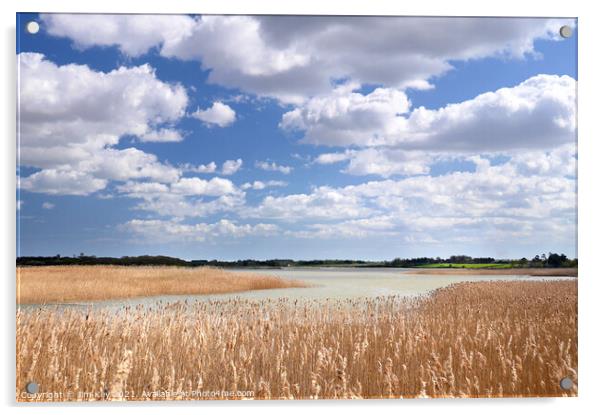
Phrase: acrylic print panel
x=275 y=207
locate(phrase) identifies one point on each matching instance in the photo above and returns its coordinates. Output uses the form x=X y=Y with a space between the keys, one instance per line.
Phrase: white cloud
x=19 y=204
x=62 y=182
x=231 y=166
x=182 y=206
x=69 y=134
x=134 y=34
x=272 y=166
x=201 y=168
x=146 y=190
x=561 y=161
x=164 y=135
x=331 y=158
x=537 y=113
x=386 y=162
x=294 y=57
x=259 y=185
x=345 y=118
x=381 y=161
x=195 y=186
x=129 y=163
x=324 y=203
x=535 y=203
x=173 y=230
x=355 y=228
x=68 y=129
x=218 y=114
x=47 y=205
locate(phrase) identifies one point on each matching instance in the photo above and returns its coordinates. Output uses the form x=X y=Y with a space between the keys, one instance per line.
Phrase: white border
x=590 y=207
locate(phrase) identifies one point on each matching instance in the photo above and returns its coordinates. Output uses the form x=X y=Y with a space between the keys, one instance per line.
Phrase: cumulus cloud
x=62 y=182
x=327 y=67
x=164 y=135
x=187 y=197
x=218 y=114
x=383 y=136
x=173 y=205
x=355 y=228
x=380 y=161
x=143 y=190
x=47 y=205
x=201 y=168
x=174 y=230
x=537 y=113
x=272 y=166
x=292 y=58
x=387 y=162
x=195 y=186
x=515 y=199
x=68 y=131
x=129 y=163
x=231 y=166
x=323 y=203
x=259 y=185
x=331 y=158
x=134 y=34
x=346 y=118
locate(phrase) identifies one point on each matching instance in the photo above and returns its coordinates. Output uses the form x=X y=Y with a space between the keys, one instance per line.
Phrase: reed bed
x=474 y=339
x=63 y=284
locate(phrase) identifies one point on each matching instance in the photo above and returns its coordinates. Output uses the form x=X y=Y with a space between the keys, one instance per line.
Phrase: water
x=332 y=283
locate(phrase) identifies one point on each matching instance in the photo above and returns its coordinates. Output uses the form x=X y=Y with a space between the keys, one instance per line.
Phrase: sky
x=232 y=137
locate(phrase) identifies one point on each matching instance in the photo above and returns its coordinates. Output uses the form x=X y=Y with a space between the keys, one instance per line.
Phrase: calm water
x=333 y=283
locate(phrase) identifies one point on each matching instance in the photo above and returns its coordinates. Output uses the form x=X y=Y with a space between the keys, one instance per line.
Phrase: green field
x=476 y=266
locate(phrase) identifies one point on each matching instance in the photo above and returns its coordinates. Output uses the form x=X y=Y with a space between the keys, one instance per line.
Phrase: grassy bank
x=541 y=272
x=481 y=339
x=61 y=284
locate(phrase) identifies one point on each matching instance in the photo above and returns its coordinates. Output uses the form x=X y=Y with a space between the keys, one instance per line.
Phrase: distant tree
x=556 y=260
x=460 y=259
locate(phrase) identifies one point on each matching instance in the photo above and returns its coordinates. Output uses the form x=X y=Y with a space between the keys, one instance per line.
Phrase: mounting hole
x=566 y=383
x=566 y=31
x=32 y=387
x=32 y=27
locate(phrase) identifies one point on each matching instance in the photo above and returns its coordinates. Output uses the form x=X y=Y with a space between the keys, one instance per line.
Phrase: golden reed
x=61 y=284
x=474 y=339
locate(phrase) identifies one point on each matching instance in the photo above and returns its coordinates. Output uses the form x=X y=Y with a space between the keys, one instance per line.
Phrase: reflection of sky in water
x=335 y=283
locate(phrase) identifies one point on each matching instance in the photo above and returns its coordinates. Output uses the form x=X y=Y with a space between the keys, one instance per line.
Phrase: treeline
x=166 y=260
x=93 y=260
x=552 y=260
x=279 y=263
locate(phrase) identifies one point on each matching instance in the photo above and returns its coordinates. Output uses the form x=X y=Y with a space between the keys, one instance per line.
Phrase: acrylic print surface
x=295 y=207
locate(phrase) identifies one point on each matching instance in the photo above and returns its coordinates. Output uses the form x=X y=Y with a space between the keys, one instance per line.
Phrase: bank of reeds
x=63 y=284
x=476 y=339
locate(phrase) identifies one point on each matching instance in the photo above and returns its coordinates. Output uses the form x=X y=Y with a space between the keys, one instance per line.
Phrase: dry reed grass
x=475 y=339
x=61 y=284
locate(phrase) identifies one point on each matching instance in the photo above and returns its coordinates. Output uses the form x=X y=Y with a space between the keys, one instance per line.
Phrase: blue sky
x=296 y=137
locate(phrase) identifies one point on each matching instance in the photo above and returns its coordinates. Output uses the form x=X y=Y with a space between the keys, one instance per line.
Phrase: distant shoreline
x=534 y=272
